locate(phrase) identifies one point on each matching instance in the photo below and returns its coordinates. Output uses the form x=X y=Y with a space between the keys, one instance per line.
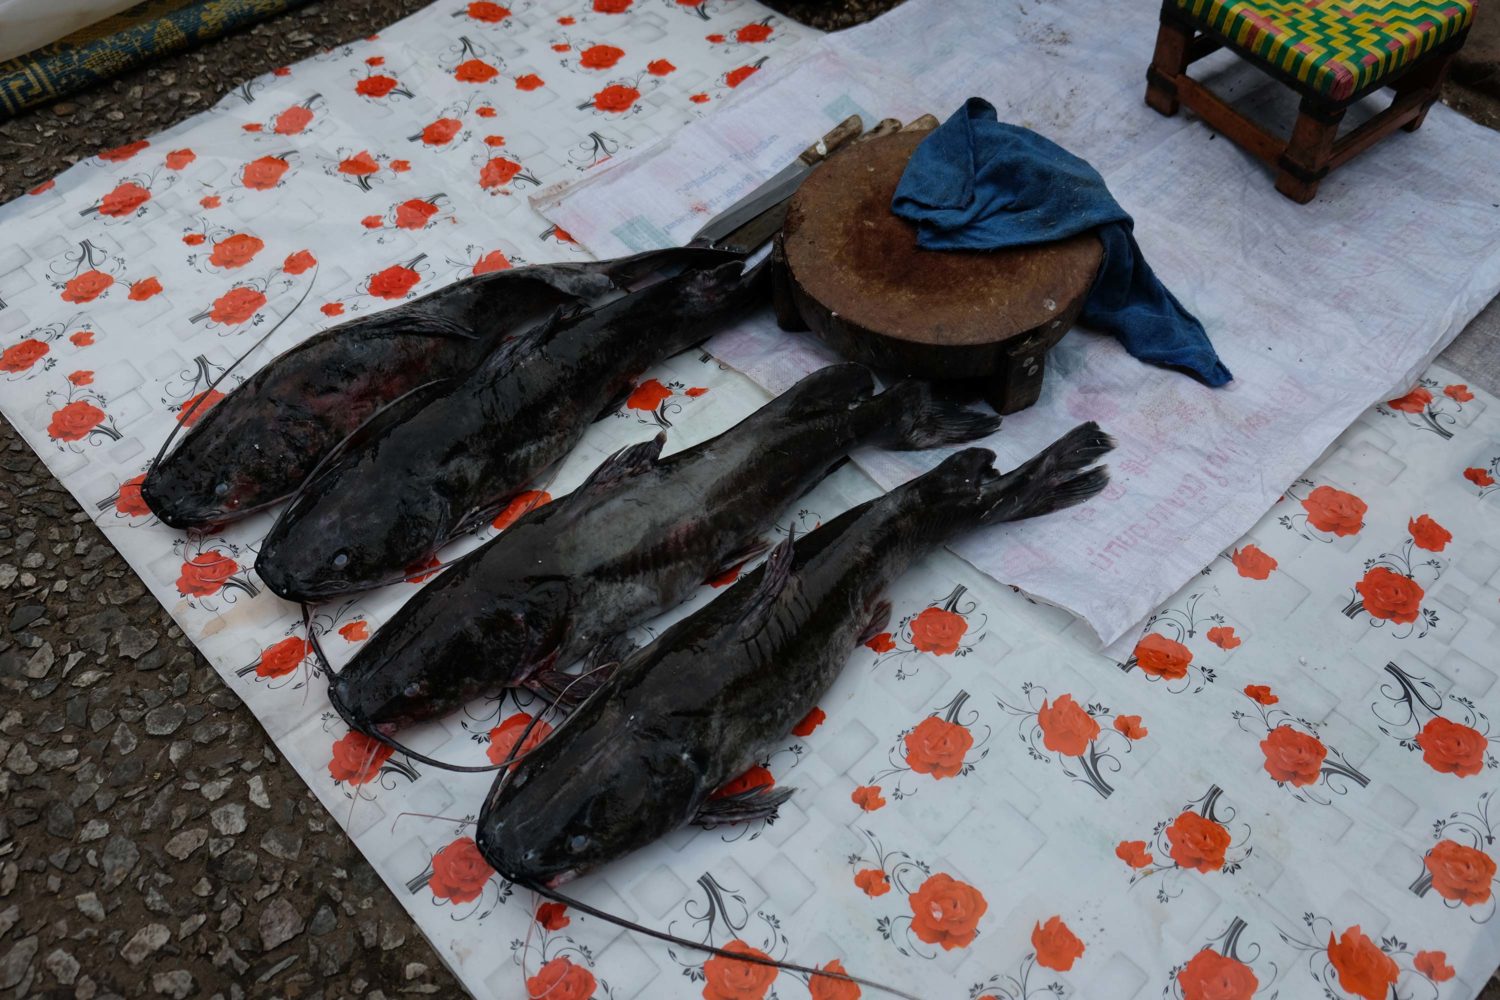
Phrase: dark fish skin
x=680 y=717
x=257 y=444
x=571 y=575
x=417 y=475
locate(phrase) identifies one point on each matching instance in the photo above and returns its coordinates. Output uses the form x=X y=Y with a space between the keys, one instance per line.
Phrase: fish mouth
x=561 y=878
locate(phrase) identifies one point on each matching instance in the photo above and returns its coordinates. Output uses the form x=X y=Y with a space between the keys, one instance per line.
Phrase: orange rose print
x=1364 y=970
x=124 y=199
x=205 y=573
x=129 y=501
x=699 y=98
x=1413 y=402
x=1197 y=842
x=179 y=158
x=1162 y=657
x=524 y=503
x=298 y=262
x=375 y=86
x=144 y=289
x=393 y=282
x=829 y=988
x=1251 y=562
x=426 y=571
x=81 y=378
x=498 y=171
x=1479 y=477
x=1428 y=534
x=1390 y=595
x=503 y=738
x=600 y=56
x=494 y=140
x=293 y=120
x=236 y=251
x=1130 y=726
x=331 y=308
x=483 y=10
x=937 y=747
x=1066 y=728
x=753 y=33
x=528 y=82
x=1335 y=511
x=264 y=173
x=739 y=76
x=1458 y=393
x=1293 y=756
x=553 y=916
x=648 y=396
x=21 y=356
x=86 y=287
x=726 y=978
x=1211 y=976
x=1460 y=873
x=459 y=872
x=74 y=421
x=868 y=797
x=357 y=758
x=612 y=6
x=236 y=305
x=872 y=881
x=441 y=131
x=1260 y=693
x=938 y=631
x=881 y=643
x=282 y=658
x=43 y=187
x=194 y=239
x=1452 y=748
x=1134 y=853
x=812 y=720
x=361 y=164
x=1223 y=636
x=946 y=911
x=83 y=338
x=125 y=152
x=1434 y=964
x=355 y=631
x=492 y=261
x=696 y=391
x=485 y=111
x=1057 y=947
x=616 y=97
x=414 y=213
x=372 y=221
x=475 y=71
x=754 y=777
x=659 y=67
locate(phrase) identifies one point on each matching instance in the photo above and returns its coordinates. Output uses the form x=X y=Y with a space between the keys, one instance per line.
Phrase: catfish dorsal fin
x=629 y=461
x=776 y=573
x=506 y=356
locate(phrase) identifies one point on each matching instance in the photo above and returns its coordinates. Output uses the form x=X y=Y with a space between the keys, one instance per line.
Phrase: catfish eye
x=340 y=559
x=415 y=689
x=221 y=490
x=578 y=843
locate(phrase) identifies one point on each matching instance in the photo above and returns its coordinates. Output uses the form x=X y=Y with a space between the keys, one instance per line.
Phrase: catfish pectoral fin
x=744 y=807
x=879 y=619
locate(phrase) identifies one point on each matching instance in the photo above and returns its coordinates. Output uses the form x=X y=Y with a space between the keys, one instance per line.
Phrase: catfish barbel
x=637 y=538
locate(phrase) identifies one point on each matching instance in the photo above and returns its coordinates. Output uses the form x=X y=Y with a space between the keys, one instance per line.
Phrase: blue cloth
x=978 y=184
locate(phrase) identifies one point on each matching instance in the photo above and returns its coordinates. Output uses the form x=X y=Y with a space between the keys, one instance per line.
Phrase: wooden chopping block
x=851 y=271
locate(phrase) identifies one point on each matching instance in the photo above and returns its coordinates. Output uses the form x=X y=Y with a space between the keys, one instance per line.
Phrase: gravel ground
x=152 y=842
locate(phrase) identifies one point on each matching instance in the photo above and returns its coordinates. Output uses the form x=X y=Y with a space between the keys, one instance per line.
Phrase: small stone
x=17 y=962
x=134 y=641
x=19 y=760
x=190 y=925
x=25 y=614
x=8 y=918
x=94 y=829
x=7 y=575
x=8 y=875
x=163 y=721
x=119 y=857
x=323 y=921
x=56 y=757
x=229 y=819
x=60 y=820
x=88 y=904
x=237 y=866
x=88 y=678
x=41 y=662
x=178 y=750
x=279 y=923
x=281 y=845
x=144 y=943
x=391 y=936
x=86 y=989
x=123 y=740
x=185 y=843
x=203 y=887
x=62 y=965
x=258 y=796
x=229 y=917
x=176 y=984
x=415 y=970
x=213 y=791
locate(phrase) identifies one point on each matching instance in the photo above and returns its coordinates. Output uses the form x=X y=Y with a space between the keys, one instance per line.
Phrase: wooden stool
x=1332 y=52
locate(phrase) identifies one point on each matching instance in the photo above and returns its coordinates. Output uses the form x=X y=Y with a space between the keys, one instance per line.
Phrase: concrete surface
x=152 y=842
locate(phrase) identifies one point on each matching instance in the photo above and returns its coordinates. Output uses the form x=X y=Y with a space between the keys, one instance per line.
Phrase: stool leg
x=1305 y=161
x=1426 y=80
x=1167 y=64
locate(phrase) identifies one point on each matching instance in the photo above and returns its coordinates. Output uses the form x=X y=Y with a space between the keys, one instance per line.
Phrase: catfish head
x=222 y=470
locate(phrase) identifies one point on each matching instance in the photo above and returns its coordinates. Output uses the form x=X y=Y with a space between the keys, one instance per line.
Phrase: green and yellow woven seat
x=1336 y=48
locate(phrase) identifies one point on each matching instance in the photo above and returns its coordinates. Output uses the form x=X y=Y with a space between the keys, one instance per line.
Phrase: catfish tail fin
x=1057 y=478
x=919 y=416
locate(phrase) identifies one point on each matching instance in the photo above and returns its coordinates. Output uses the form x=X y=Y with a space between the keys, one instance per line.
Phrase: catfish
x=644 y=754
x=446 y=457
x=637 y=538
x=256 y=445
